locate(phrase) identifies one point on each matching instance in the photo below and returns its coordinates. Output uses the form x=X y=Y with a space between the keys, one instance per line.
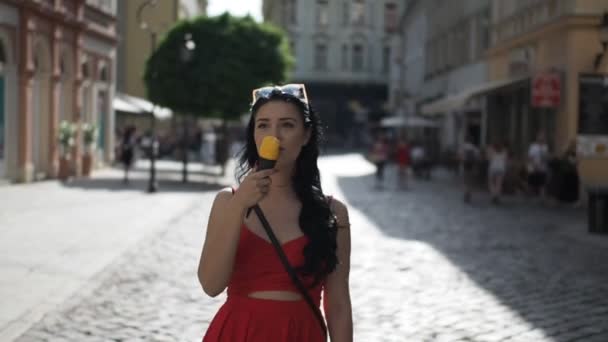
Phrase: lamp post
x=186 y=54
x=603 y=39
x=152 y=183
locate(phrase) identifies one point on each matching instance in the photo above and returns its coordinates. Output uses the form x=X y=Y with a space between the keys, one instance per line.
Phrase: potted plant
x=89 y=133
x=67 y=131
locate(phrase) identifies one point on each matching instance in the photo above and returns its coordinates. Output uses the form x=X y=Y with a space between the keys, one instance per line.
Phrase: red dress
x=257 y=267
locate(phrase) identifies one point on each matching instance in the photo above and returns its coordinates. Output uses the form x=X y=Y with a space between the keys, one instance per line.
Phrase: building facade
x=57 y=62
x=135 y=47
x=538 y=37
x=441 y=53
x=343 y=51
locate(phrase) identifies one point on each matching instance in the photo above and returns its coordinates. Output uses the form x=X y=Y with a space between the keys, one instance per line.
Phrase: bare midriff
x=276 y=295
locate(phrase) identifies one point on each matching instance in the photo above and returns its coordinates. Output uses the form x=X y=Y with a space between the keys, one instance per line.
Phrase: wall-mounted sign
x=592 y=146
x=546 y=89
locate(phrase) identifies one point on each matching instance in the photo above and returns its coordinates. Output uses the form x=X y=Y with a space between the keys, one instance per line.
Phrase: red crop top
x=257 y=266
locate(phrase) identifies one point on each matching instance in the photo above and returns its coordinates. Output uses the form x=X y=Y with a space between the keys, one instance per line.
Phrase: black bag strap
x=292 y=273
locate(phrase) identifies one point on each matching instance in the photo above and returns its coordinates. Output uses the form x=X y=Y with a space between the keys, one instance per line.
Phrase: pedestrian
x=403 y=162
x=312 y=230
x=538 y=157
x=127 y=150
x=379 y=156
x=469 y=156
x=569 y=190
x=497 y=168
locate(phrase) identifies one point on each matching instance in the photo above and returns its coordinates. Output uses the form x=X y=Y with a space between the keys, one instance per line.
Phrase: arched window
x=103 y=73
x=358 y=57
x=62 y=67
x=84 y=69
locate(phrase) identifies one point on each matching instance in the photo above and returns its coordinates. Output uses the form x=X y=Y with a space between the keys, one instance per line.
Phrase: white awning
x=459 y=101
x=409 y=121
x=131 y=104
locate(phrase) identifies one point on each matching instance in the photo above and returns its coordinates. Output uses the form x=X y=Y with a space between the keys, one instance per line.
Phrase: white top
x=418 y=153
x=538 y=155
x=498 y=161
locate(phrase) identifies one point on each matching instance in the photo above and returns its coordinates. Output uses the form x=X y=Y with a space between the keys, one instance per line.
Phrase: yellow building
x=136 y=44
x=533 y=37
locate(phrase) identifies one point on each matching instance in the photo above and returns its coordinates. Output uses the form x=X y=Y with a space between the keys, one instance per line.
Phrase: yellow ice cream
x=269 y=149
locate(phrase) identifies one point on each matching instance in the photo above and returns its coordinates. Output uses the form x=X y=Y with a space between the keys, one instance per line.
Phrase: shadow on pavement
x=168 y=178
x=511 y=251
x=117 y=184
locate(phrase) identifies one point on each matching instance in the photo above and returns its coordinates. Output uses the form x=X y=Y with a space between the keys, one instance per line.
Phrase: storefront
x=566 y=47
x=56 y=64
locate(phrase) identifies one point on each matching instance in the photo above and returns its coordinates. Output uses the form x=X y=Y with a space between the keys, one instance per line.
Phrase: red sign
x=546 y=90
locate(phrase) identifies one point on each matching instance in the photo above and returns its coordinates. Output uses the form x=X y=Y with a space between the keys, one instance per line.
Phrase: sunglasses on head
x=296 y=90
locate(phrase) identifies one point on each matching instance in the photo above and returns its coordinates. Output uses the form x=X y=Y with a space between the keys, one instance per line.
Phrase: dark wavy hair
x=316 y=219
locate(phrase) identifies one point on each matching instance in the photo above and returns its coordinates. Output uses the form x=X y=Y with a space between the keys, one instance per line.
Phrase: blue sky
x=236 y=7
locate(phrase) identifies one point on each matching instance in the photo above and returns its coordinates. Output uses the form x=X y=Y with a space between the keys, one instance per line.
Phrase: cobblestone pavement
x=425 y=267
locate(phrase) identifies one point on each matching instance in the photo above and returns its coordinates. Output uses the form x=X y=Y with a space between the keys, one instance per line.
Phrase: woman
x=570 y=185
x=313 y=230
x=497 y=167
x=403 y=162
x=379 y=156
x=127 y=153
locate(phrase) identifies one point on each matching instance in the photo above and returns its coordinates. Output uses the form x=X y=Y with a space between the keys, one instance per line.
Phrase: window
x=62 y=68
x=103 y=73
x=358 y=14
x=2 y=55
x=386 y=59
x=346 y=13
x=357 y=57
x=344 y=57
x=84 y=69
x=322 y=12
x=321 y=56
x=292 y=48
x=390 y=17
x=291 y=11
x=483 y=33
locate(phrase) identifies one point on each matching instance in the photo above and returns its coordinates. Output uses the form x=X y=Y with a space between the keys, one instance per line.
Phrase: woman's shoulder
x=224 y=194
x=340 y=210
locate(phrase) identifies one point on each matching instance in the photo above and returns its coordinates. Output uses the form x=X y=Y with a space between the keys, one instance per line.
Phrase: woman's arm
x=221 y=242
x=224 y=229
x=338 y=310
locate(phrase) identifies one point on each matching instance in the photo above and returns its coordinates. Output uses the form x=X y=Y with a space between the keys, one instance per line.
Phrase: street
x=424 y=267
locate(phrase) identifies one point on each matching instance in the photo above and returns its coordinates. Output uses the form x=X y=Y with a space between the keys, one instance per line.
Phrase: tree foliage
x=232 y=56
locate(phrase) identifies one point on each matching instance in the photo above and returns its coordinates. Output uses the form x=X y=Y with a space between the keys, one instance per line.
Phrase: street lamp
x=152 y=183
x=186 y=54
x=603 y=39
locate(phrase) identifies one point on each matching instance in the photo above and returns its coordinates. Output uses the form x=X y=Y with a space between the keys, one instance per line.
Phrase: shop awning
x=135 y=105
x=459 y=101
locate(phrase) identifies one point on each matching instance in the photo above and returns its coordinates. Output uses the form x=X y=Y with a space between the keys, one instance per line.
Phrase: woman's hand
x=253 y=188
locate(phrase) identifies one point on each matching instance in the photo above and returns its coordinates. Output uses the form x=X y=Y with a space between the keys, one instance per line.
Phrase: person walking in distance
x=379 y=156
x=469 y=155
x=127 y=151
x=498 y=158
x=538 y=157
x=403 y=162
x=295 y=245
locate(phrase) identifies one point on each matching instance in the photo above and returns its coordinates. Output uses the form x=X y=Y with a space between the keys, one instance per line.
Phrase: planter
x=87 y=162
x=64 y=168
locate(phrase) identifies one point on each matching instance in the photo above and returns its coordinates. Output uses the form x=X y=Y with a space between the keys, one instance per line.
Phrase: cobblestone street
x=425 y=267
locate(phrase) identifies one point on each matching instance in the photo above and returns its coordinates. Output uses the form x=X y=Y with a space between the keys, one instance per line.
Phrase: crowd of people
x=551 y=177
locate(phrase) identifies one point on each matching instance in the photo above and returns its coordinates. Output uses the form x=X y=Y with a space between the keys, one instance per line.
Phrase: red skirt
x=245 y=319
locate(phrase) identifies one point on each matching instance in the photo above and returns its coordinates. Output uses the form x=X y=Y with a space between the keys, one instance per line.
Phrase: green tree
x=232 y=56
x=214 y=79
